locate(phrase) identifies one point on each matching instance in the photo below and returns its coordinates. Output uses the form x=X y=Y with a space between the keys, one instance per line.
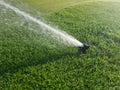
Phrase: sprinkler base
x=84 y=48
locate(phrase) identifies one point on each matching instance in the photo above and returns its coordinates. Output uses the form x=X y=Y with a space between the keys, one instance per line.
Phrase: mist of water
x=63 y=36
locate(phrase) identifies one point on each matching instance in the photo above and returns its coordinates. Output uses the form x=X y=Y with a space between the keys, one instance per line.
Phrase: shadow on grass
x=14 y=65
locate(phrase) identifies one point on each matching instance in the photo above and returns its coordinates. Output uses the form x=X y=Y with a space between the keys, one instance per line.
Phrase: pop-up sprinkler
x=84 y=48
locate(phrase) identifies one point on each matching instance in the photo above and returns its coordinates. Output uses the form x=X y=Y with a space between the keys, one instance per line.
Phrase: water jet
x=55 y=33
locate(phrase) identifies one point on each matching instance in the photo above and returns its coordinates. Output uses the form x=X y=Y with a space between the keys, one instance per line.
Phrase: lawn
x=30 y=59
x=46 y=6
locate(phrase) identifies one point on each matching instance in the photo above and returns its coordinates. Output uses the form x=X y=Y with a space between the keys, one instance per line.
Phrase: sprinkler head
x=84 y=48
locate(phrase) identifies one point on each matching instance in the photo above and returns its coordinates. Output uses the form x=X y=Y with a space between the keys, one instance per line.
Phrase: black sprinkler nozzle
x=84 y=48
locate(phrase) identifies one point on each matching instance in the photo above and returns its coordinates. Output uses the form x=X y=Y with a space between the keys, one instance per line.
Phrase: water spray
x=61 y=36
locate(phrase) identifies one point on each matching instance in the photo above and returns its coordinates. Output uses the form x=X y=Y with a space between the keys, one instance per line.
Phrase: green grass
x=33 y=61
x=46 y=6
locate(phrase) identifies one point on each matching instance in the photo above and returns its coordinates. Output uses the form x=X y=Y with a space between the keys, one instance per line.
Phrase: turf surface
x=33 y=61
